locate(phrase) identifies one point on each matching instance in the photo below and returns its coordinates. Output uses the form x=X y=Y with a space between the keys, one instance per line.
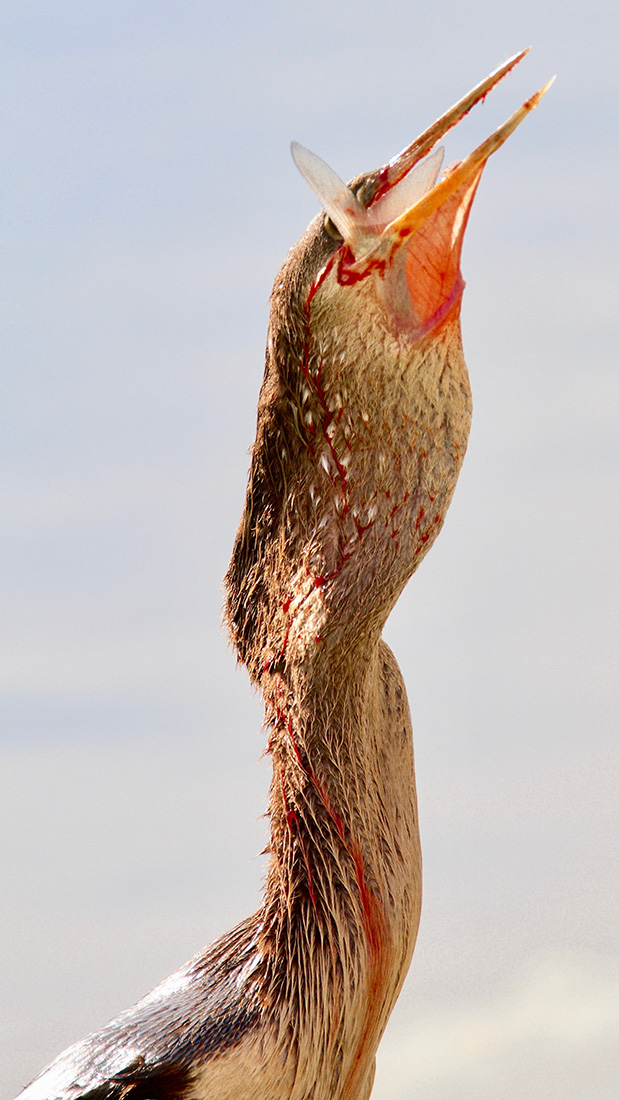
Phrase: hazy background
x=147 y=200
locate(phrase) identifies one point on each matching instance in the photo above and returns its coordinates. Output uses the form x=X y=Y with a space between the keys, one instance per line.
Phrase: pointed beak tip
x=352 y=219
x=547 y=85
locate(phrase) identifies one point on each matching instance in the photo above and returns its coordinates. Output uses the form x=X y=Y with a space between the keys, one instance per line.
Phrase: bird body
x=363 y=421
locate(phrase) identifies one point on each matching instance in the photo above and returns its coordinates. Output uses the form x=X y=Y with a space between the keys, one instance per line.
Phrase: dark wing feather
x=153 y=1050
x=141 y=1082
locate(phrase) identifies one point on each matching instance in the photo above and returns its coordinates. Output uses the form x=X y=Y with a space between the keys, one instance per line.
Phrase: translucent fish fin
x=407 y=191
x=342 y=206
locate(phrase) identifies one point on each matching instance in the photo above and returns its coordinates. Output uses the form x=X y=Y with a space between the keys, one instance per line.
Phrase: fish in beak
x=405 y=223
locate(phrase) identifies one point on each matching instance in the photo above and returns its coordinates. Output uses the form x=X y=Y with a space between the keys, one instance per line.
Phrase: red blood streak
x=373 y=916
x=321 y=579
x=319 y=281
x=384 y=184
x=340 y=469
x=285 y=641
x=362 y=527
x=295 y=747
x=346 y=276
x=372 y=912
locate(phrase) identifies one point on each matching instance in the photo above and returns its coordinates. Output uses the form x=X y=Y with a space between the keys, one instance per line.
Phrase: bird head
x=401 y=228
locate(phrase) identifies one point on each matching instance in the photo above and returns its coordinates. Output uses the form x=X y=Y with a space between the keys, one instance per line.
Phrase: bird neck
x=343 y=894
x=361 y=433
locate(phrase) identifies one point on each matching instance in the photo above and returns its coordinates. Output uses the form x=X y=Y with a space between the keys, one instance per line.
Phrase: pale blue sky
x=148 y=198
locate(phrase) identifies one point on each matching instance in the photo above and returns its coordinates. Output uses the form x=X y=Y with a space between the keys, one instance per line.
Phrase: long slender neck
x=361 y=434
x=343 y=892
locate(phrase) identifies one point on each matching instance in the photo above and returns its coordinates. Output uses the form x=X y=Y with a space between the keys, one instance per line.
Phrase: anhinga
x=362 y=425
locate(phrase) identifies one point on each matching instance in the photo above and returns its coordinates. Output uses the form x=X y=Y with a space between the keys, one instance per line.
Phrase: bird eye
x=364 y=189
x=332 y=230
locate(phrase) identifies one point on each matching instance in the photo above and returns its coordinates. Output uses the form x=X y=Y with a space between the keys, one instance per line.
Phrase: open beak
x=411 y=228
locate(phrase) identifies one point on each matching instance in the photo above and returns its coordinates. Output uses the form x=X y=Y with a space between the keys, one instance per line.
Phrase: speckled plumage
x=362 y=426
